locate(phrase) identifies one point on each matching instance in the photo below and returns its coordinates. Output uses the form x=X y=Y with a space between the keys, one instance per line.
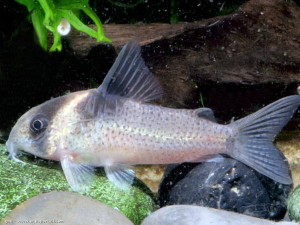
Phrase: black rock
x=228 y=185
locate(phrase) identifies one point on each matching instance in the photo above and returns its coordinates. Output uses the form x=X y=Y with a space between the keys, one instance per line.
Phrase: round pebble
x=65 y=208
x=197 y=215
x=228 y=185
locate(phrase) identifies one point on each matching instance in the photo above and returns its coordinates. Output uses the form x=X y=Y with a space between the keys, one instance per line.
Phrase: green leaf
x=56 y=36
x=76 y=22
x=71 y=4
x=84 y=6
x=95 y=18
x=47 y=14
x=37 y=18
x=48 y=9
x=30 y=4
x=56 y=42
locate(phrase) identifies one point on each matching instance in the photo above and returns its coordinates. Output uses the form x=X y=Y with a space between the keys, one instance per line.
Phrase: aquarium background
x=232 y=64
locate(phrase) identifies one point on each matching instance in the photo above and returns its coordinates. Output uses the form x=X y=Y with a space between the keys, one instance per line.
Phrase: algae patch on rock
x=20 y=182
x=294 y=204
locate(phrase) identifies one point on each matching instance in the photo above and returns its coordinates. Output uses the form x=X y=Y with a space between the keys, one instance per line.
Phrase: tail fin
x=255 y=133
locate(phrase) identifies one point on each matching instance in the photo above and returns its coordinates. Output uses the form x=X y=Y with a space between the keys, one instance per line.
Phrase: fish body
x=115 y=127
x=138 y=133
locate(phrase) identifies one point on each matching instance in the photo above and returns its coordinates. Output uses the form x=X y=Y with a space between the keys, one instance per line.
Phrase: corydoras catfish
x=115 y=127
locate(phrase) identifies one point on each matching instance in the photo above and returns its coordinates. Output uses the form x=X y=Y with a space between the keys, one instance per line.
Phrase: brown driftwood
x=258 y=43
x=237 y=62
x=120 y=34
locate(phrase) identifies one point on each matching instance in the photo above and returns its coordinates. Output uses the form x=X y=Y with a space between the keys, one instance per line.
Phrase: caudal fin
x=255 y=133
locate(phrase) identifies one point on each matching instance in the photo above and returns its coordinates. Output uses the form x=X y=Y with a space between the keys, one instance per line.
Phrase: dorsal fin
x=206 y=113
x=129 y=76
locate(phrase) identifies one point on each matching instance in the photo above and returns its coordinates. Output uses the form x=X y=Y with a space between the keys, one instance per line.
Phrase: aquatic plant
x=48 y=15
x=201 y=100
x=126 y=5
x=174 y=17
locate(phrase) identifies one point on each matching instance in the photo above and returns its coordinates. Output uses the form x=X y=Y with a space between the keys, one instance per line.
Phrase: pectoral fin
x=121 y=176
x=79 y=176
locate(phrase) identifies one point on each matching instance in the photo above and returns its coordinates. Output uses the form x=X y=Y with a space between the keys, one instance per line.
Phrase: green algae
x=294 y=204
x=19 y=182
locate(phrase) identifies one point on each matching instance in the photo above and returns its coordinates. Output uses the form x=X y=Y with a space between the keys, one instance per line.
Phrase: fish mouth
x=13 y=151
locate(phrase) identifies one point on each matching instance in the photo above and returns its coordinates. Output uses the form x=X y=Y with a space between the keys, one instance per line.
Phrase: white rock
x=197 y=215
x=65 y=208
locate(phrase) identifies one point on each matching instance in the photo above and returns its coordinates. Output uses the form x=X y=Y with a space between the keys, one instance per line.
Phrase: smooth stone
x=20 y=182
x=65 y=208
x=294 y=204
x=226 y=185
x=150 y=174
x=288 y=142
x=198 y=215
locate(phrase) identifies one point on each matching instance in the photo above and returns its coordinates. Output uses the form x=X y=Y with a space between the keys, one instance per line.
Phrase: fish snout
x=11 y=148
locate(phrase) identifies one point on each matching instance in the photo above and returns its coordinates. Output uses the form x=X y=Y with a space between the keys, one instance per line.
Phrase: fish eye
x=38 y=125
